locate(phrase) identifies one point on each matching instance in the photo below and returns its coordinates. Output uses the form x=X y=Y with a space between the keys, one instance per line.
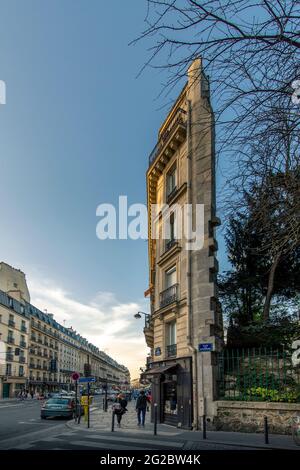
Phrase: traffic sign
x=205 y=347
x=75 y=376
x=83 y=380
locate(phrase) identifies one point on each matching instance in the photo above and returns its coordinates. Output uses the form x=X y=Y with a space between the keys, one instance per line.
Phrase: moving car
x=62 y=407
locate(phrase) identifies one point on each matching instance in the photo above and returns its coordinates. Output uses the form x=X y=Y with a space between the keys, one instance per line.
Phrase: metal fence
x=258 y=375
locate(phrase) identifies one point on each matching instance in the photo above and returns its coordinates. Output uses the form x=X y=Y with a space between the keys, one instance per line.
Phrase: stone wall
x=249 y=416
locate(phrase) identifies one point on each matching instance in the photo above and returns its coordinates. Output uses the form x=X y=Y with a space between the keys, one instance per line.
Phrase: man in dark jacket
x=141 y=407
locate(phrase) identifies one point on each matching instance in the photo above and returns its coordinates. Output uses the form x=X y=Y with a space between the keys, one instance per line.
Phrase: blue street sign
x=205 y=347
x=83 y=380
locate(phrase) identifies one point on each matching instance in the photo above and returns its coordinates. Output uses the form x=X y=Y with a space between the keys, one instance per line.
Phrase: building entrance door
x=6 y=390
x=170 y=406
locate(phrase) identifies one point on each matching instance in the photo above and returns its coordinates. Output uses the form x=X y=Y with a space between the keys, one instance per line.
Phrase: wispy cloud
x=103 y=320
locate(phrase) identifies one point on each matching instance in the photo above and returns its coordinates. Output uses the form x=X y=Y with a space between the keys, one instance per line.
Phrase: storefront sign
x=205 y=347
x=157 y=352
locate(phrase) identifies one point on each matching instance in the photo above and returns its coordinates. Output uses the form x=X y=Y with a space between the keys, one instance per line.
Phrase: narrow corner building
x=185 y=316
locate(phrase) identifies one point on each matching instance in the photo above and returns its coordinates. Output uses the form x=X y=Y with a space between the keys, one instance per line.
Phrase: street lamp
x=139 y=314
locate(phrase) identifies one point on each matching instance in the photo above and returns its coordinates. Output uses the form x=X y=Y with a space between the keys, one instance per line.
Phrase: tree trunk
x=267 y=305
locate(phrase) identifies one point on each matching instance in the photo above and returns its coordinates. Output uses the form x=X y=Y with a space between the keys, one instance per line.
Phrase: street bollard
x=266 y=430
x=113 y=421
x=204 y=427
x=155 y=419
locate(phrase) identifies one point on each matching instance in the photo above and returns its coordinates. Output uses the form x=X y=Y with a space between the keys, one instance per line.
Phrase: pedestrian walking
x=120 y=408
x=141 y=408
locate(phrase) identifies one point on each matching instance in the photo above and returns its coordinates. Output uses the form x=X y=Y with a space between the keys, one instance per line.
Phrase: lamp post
x=139 y=314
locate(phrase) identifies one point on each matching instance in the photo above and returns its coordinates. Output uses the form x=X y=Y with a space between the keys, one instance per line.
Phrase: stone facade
x=249 y=416
x=183 y=294
x=39 y=354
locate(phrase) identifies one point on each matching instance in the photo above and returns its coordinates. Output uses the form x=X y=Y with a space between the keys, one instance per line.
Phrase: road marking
x=137 y=441
x=103 y=445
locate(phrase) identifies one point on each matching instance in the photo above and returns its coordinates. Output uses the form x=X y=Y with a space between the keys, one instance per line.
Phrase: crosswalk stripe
x=136 y=441
x=104 y=445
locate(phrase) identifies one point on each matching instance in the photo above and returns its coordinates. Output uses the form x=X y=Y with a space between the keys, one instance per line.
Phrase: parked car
x=62 y=407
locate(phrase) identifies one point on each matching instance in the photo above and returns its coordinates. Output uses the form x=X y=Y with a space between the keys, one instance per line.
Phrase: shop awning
x=160 y=370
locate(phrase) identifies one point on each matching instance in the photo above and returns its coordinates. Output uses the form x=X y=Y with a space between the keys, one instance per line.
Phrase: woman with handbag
x=120 y=408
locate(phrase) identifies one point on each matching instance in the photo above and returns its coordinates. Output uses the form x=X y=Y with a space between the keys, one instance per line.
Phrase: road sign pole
x=88 y=391
x=76 y=399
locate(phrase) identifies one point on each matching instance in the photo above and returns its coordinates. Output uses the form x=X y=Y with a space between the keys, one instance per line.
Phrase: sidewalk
x=101 y=421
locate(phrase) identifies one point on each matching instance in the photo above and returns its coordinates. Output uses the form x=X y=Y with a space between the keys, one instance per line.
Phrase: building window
x=8 y=369
x=10 y=338
x=23 y=326
x=169 y=294
x=21 y=371
x=11 y=320
x=171 y=181
x=171 y=339
x=170 y=277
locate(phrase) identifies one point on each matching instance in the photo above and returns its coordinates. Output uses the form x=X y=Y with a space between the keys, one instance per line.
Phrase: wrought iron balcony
x=22 y=359
x=9 y=356
x=168 y=296
x=178 y=120
x=23 y=344
x=171 y=193
x=11 y=323
x=23 y=329
x=32 y=365
x=10 y=340
x=171 y=243
x=171 y=350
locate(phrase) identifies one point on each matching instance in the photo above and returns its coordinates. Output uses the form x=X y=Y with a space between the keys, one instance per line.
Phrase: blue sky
x=76 y=132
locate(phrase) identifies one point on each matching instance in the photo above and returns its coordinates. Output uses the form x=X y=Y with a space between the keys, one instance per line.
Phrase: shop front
x=171 y=388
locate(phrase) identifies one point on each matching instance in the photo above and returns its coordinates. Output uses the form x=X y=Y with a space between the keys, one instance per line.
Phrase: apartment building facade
x=39 y=354
x=185 y=313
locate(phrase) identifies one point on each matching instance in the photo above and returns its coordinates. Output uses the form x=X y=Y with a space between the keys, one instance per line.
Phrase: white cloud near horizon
x=103 y=320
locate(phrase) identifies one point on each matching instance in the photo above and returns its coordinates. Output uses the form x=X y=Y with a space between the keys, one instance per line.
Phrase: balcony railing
x=23 y=344
x=180 y=118
x=11 y=323
x=171 y=350
x=23 y=329
x=9 y=356
x=31 y=365
x=171 y=243
x=22 y=359
x=10 y=340
x=168 y=296
x=33 y=338
x=171 y=193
